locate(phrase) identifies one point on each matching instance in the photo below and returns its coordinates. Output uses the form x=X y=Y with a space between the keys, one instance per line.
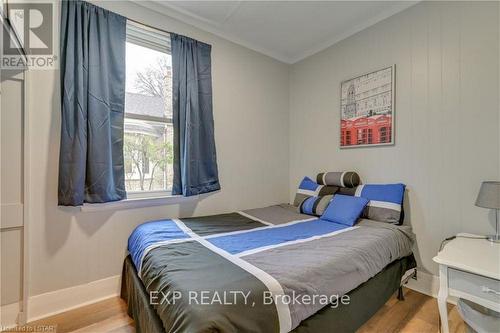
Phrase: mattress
x=261 y=270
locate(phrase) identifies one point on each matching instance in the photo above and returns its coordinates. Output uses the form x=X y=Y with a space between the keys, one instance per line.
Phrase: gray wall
x=70 y=248
x=270 y=118
x=447 y=114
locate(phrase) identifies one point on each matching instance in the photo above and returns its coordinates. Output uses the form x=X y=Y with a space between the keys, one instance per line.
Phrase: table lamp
x=489 y=197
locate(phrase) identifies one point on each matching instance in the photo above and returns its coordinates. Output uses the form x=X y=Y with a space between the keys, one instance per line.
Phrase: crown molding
x=214 y=27
x=209 y=26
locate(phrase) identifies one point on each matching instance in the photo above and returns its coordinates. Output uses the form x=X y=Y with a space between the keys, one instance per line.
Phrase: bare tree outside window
x=156 y=80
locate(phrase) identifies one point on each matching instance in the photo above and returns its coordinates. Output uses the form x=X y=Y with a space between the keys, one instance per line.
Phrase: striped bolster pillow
x=386 y=201
x=315 y=205
x=309 y=188
x=341 y=179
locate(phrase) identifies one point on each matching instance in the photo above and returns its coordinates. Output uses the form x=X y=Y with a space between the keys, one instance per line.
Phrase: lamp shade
x=489 y=195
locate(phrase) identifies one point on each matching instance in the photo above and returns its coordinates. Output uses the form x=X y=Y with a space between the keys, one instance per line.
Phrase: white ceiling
x=285 y=30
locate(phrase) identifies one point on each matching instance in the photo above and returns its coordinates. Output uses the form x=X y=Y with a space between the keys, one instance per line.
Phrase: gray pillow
x=341 y=179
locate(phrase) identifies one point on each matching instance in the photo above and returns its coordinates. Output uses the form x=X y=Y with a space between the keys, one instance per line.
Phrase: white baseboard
x=425 y=283
x=428 y=284
x=8 y=315
x=48 y=304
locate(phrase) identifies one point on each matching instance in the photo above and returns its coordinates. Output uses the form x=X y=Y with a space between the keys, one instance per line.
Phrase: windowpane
x=148 y=153
x=148 y=132
x=148 y=89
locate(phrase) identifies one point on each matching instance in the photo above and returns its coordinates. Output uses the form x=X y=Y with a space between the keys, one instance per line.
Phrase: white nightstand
x=469 y=269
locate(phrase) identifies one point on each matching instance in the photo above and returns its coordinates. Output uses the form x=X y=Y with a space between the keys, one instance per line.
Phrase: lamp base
x=493 y=238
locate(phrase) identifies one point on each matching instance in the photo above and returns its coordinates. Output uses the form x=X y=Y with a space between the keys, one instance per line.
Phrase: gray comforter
x=222 y=275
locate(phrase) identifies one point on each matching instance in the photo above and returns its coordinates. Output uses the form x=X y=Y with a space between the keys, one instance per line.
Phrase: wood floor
x=418 y=313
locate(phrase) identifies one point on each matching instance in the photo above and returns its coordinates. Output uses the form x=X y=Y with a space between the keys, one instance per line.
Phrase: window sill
x=136 y=202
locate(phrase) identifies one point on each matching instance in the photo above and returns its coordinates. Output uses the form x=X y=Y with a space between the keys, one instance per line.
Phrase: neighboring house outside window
x=148 y=133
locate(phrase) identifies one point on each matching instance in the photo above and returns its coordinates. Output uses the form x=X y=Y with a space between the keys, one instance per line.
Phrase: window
x=362 y=136
x=385 y=134
x=148 y=132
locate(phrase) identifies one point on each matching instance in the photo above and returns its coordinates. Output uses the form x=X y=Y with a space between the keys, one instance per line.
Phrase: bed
x=262 y=270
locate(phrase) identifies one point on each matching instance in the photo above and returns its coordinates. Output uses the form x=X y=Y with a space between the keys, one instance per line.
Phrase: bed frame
x=366 y=300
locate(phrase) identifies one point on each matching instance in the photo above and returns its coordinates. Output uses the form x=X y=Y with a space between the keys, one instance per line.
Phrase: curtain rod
x=155 y=28
x=162 y=30
x=91 y=3
x=129 y=19
x=149 y=26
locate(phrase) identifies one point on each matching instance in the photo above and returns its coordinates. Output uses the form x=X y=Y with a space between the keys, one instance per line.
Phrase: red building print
x=366 y=130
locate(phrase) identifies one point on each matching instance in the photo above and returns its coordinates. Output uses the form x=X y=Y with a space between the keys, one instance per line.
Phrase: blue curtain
x=195 y=160
x=91 y=167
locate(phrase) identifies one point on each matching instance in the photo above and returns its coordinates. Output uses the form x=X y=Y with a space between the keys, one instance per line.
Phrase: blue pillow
x=386 y=201
x=344 y=209
x=307 y=184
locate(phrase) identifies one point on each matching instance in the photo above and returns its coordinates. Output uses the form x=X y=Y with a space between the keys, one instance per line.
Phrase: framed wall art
x=367 y=109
